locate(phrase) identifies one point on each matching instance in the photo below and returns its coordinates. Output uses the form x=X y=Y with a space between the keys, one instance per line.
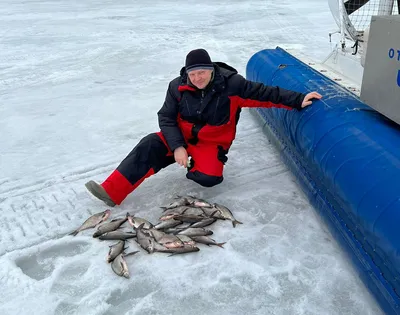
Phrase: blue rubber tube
x=346 y=156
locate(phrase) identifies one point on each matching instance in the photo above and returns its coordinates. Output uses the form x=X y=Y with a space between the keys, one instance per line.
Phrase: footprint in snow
x=41 y=265
x=71 y=286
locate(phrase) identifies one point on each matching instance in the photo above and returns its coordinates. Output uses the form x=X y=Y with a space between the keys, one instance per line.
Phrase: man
x=198 y=119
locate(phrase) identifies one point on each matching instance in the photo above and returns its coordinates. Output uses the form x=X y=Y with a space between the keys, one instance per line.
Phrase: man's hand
x=181 y=156
x=307 y=100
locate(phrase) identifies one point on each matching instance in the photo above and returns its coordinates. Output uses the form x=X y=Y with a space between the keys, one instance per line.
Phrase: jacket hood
x=225 y=70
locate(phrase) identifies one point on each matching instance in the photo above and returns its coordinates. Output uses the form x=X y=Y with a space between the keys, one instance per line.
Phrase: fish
x=188 y=218
x=167 y=240
x=115 y=250
x=144 y=238
x=119 y=266
x=173 y=230
x=207 y=241
x=179 y=201
x=178 y=228
x=156 y=247
x=109 y=226
x=183 y=250
x=186 y=240
x=182 y=226
x=136 y=221
x=117 y=235
x=204 y=222
x=93 y=221
x=213 y=213
x=167 y=224
x=226 y=214
x=170 y=213
x=191 y=210
x=175 y=244
x=197 y=202
x=195 y=232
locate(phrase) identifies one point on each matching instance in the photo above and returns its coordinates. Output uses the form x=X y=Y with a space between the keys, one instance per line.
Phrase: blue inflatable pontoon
x=346 y=157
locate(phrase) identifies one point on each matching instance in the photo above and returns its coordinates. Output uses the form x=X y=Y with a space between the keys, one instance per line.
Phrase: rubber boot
x=99 y=192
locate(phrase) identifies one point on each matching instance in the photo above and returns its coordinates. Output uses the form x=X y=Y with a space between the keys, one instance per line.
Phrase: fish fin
x=212 y=214
x=164 y=208
x=139 y=227
x=187 y=208
x=74 y=233
x=236 y=222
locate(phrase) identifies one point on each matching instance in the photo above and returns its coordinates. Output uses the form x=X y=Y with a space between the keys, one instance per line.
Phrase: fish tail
x=220 y=244
x=74 y=233
x=236 y=222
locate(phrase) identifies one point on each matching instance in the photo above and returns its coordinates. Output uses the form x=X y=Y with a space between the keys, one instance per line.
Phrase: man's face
x=200 y=78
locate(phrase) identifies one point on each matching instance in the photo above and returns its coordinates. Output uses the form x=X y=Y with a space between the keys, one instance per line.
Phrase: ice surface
x=81 y=82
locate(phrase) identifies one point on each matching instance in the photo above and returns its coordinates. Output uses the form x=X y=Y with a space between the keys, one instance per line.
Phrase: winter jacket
x=190 y=116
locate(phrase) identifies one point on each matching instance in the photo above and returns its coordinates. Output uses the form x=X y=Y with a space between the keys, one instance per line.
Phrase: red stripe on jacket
x=253 y=103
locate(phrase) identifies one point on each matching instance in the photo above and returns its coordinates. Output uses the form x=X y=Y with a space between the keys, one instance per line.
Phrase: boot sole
x=96 y=194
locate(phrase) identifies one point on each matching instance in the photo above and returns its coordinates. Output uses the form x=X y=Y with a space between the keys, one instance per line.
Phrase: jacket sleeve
x=254 y=94
x=168 y=120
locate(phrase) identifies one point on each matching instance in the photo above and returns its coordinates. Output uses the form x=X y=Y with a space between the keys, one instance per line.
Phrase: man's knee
x=151 y=140
x=204 y=179
x=150 y=152
x=151 y=147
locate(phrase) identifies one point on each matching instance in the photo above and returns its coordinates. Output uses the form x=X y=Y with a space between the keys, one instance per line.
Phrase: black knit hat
x=198 y=59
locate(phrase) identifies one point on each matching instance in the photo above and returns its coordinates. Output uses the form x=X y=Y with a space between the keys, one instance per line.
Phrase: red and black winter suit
x=202 y=121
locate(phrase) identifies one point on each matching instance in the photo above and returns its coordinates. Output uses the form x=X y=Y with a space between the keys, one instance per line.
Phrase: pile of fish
x=182 y=225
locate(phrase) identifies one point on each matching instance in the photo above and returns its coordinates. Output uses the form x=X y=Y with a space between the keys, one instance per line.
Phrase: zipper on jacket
x=187 y=106
x=201 y=101
x=216 y=109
